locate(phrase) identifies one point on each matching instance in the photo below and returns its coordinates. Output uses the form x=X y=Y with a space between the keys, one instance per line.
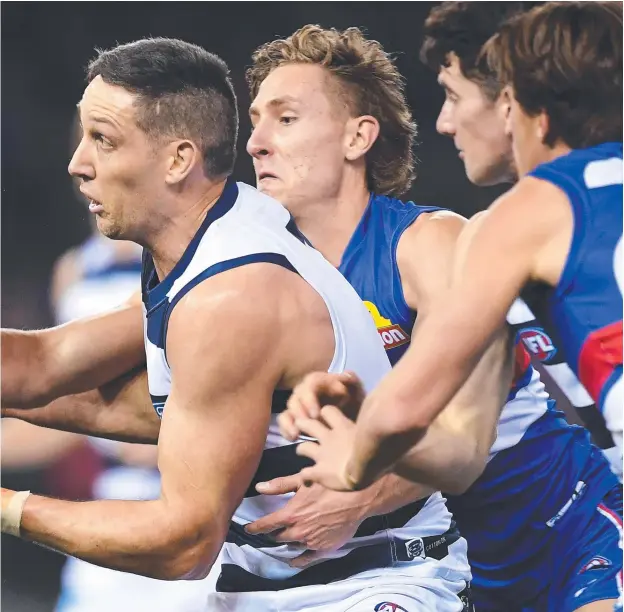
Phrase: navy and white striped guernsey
x=242 y=228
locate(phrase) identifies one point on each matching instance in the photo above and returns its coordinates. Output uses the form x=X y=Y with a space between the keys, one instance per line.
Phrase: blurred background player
x=398 y=256
x=95 y=277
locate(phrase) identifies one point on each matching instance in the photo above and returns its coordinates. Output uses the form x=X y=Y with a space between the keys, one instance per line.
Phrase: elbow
x=188 y=558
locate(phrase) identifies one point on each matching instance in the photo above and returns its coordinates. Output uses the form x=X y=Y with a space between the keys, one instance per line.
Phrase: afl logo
x=538 y=343
x=388 y=606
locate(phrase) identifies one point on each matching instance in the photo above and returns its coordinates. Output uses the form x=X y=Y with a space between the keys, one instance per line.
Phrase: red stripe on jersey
x=522 y=360
x=600 y=355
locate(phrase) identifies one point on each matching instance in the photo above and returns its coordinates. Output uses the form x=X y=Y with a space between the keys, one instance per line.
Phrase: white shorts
x=433 y=586
x=429 y=595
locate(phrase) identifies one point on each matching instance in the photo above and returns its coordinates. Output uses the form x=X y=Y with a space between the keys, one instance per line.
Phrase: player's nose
x=259 y=143
x=444 y=124
x=80 y=165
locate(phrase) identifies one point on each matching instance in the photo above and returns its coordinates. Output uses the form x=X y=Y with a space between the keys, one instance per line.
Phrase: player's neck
x=559 y=149
x=174 y=232
x=329 y=224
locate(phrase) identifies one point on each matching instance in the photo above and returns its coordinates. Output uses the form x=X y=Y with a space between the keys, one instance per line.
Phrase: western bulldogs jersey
x=244 y=227
x=537 y=460
x=584 y=312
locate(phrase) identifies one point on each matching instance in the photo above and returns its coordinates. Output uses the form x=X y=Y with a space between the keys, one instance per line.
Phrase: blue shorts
x=593 y=566
x=588 y=559
x=542 y=524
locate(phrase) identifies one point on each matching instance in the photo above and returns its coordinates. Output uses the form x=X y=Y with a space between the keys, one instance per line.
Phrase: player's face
x=477 y=126
x=297 y=143
x=527 y=134
x=115 y=162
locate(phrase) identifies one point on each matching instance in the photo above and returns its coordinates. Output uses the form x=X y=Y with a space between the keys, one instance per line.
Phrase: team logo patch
x=538 y=343
x=415 y=548
x=388 y=606
x=392 y=334
x=596 y=563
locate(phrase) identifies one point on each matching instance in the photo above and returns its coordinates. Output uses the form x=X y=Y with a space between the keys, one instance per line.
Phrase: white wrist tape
x=12 y=514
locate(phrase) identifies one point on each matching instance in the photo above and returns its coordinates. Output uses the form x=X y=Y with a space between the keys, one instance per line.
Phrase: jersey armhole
x=577 y=202
x=406 y=223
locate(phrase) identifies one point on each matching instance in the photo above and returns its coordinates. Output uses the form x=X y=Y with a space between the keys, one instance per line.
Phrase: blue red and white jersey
x=537 y=460
x=584 y=311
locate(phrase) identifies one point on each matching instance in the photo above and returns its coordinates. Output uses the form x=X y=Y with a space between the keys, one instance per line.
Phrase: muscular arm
x=205 y=457
x=120 y=410
x=40 y=366
x=454 y=450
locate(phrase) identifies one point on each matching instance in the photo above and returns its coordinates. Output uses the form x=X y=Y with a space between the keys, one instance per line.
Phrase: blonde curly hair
x=368 y=82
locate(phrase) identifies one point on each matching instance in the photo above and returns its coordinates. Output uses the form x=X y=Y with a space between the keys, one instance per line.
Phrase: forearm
x=397 y=414
x=443 y=460
x=23 y=365
x=40 y=366
x=120 y=410
x=141 y=537
x=390 y=493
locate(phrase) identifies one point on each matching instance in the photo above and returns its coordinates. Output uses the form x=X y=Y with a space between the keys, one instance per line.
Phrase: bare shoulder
x=429 y=229
x=532 y=204
x=425 y=253
x=260 y=314
x=246 y=293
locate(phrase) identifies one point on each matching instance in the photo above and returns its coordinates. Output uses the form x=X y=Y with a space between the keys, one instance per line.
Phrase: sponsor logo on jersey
x=596 y=563
x=388 y=606
x=392 y=334
x=538 y=343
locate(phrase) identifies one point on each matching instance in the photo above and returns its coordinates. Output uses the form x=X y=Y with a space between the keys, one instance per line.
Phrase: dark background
x=45 y=48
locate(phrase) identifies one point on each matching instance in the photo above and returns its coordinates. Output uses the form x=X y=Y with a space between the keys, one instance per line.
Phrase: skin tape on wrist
x=12 y=514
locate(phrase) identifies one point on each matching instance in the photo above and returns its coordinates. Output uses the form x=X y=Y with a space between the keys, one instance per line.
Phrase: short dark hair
x=371 y=85
x=463 y=28
x=183 y=91
x=565 y=59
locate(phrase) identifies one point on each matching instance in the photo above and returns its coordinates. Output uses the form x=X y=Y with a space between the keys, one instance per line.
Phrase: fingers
x=312 y=393
x=312 y=428
x=286 y=424
x=309 y=557
x=267 y=524
x=308 y=475
x=279 y=486
x=311 y=450
x=318 y=388
x=334 y=418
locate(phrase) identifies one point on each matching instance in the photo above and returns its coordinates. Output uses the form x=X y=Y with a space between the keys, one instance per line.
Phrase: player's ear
x=182 y=156
x=543 y=126
x=361 y=134
x=504 y=108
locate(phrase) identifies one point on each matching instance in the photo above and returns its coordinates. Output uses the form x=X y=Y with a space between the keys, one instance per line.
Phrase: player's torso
x=584 y=312
x=535 y=456
x=250 y=225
